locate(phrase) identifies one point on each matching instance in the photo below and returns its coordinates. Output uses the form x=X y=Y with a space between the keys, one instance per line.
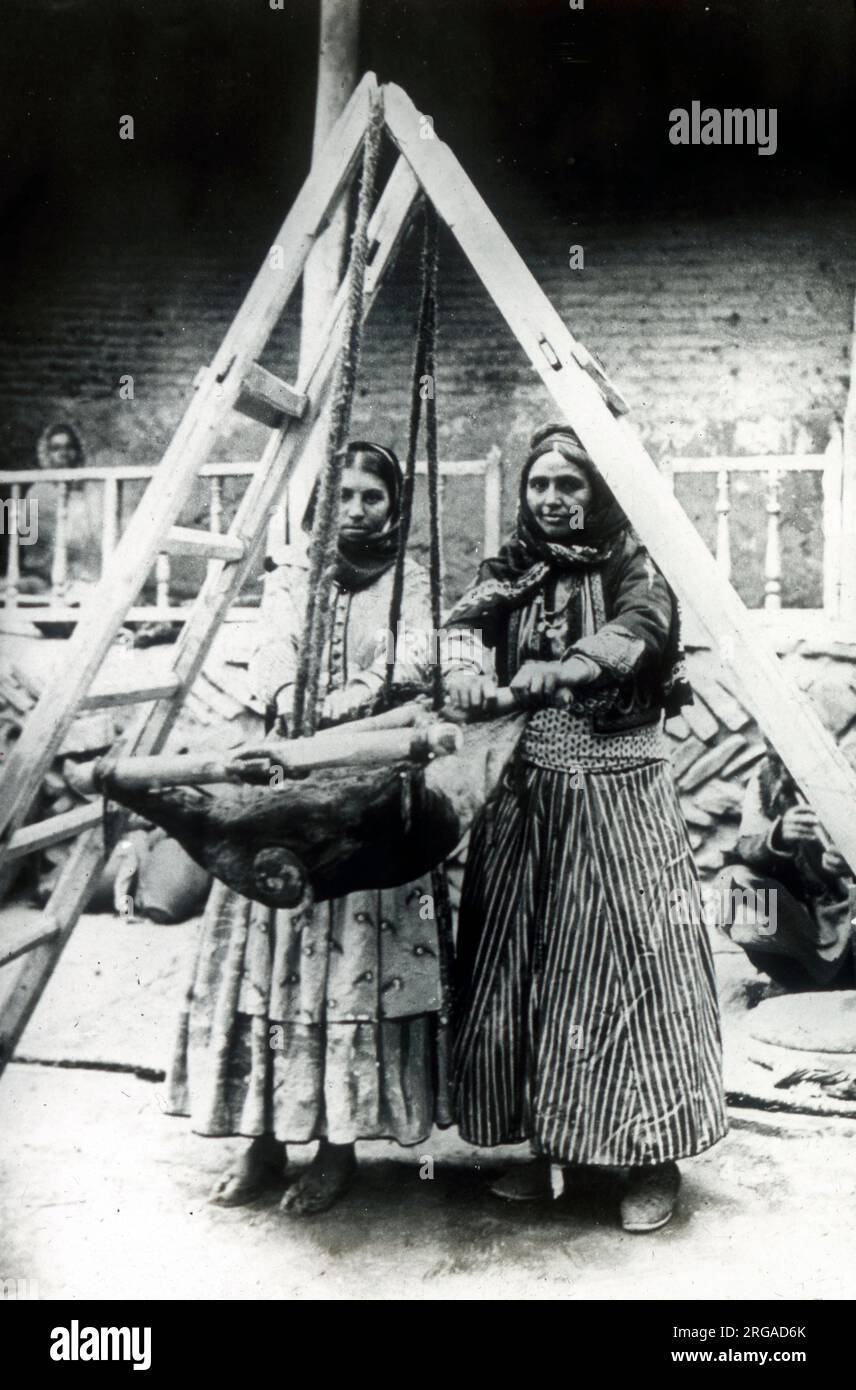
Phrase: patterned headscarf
x=509 y=579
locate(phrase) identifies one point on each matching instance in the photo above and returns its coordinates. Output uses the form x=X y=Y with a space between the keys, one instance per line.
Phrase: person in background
x=801 y=937
x=60 y=446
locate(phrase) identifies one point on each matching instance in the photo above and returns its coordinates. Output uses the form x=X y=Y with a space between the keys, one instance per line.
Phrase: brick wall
x=728 y=334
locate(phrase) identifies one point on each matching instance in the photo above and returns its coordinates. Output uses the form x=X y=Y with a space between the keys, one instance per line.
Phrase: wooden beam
x=23 y=939
x=784 y=713
x=114 y=695
x=268 y=399
x=24 y=989
x=394 y=211
x=338 y=57
x=54 y=830
x=206 y=545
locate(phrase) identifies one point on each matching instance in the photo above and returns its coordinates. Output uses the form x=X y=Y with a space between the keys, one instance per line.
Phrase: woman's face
x=62 y=450
x=558 y=493
x=364 y=503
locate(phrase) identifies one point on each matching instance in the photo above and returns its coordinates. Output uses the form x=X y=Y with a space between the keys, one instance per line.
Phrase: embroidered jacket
x=625 y=618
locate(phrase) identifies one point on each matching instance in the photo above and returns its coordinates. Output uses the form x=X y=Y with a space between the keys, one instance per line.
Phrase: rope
x=423 y=365
x=323 y=546
x=433 y=460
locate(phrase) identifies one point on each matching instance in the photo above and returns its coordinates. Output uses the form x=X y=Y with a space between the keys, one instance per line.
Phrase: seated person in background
x=801 y=937
x=60 y=446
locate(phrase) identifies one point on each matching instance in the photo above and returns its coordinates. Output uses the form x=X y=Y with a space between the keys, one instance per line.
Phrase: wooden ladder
x=296 y=418
x=577 y=385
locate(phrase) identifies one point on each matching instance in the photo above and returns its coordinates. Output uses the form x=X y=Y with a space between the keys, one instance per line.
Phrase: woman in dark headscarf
x=588 y=1018
x=322 y=1024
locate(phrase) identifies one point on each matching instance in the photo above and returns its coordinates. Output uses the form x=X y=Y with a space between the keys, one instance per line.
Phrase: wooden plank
x=720 y=798
x=207 y=545
x=677 y=727
x=23 y=939
x=694 y=815
x=54 y=830
x=787 y=718
x=171 y=487
x=25 y=988
x=686 y=755
x=750 y=463
x=744 y=760
x=711 y=762
x=88 y=733
x=728 y=711
x=268 y=399
x=111 y=696
x=700 y=720
x=138 y=613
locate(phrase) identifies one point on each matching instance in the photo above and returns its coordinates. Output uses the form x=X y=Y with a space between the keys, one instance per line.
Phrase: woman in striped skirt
x=588 y=1021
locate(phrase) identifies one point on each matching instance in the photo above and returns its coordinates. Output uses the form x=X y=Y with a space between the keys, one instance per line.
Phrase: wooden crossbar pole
x=783 y=712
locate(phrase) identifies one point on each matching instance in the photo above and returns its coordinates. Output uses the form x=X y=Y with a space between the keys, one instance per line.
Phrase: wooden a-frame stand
x=296 y=417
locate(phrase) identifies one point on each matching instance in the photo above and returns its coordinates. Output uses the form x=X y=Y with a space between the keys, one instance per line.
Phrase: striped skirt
x=587 y=1011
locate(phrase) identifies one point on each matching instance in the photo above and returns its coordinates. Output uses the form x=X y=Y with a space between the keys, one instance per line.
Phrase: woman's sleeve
x=273 y=664
x=467 y=646
x=413 y=652
x=640 y=622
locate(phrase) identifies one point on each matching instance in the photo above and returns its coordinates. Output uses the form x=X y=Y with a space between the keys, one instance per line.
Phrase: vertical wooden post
x=338 y=56
x=109 y=520
x=832 y=477
x=13 y=566
x=848 y=498
x=338 y=51
x=215 y=513
x=162 y=580
x=773 y=554
x=493 y=500
x=723 y=528
x=59 y=566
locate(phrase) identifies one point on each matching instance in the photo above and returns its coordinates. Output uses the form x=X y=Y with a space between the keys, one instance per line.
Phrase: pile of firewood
x=88 y=737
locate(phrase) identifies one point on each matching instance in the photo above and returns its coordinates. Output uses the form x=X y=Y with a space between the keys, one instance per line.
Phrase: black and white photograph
x=428 y=663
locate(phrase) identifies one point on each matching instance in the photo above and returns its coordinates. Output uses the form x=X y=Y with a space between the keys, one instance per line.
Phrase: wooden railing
x=774 y=467
x=54 y=605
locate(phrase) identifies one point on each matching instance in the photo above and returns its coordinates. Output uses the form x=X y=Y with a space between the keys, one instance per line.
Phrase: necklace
x=551 y=622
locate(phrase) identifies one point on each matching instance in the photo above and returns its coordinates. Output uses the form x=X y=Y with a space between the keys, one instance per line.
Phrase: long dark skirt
x=588 y=1020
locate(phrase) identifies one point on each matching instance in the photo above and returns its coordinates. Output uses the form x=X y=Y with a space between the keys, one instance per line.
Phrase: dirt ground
x=103 y=1196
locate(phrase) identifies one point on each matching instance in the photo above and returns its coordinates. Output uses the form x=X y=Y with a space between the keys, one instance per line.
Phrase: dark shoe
x=526 y=1182
x=650 y=1198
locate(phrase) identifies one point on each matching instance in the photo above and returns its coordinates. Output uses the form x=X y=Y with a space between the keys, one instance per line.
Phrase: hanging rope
x=433 y=460
x=423 y=375
x=322 y=550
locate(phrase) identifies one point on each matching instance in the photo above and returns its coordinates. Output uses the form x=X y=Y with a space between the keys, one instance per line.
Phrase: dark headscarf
x=529 y=562
x=528 y=559
x=360 y=562
x=603 y=521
